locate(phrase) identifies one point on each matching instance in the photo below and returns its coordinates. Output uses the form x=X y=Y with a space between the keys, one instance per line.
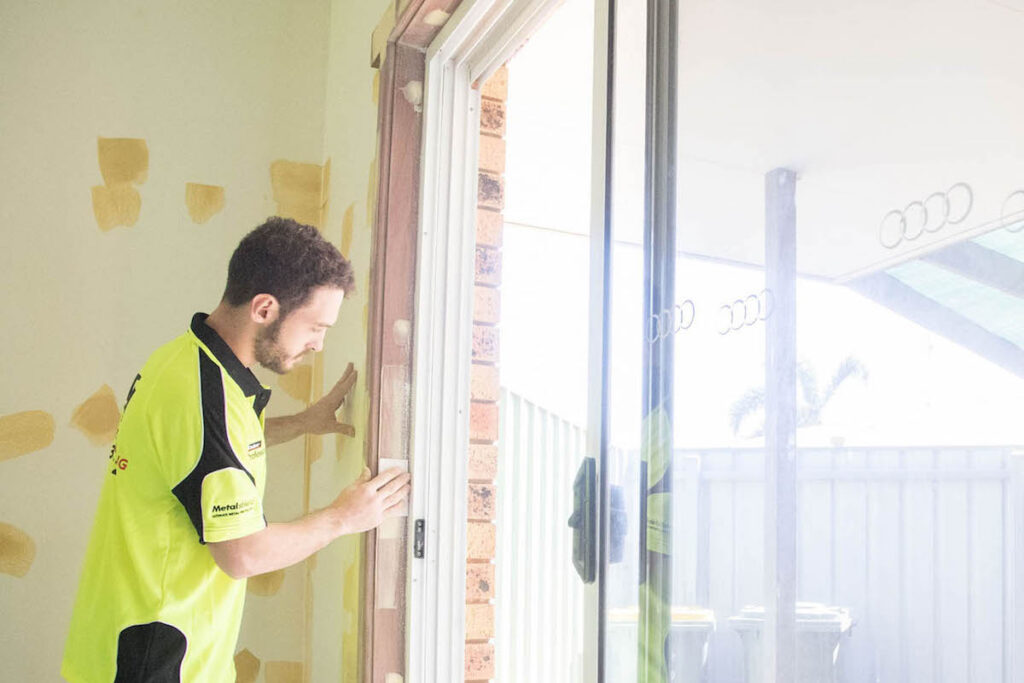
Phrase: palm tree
x=811 y=400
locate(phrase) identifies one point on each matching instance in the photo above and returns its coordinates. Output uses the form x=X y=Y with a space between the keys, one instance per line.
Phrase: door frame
x=424 y=251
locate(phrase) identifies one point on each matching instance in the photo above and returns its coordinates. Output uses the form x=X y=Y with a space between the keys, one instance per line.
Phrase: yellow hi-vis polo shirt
x=188 y=467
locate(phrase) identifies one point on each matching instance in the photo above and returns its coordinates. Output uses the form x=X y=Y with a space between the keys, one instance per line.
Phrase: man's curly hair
x=288 y=260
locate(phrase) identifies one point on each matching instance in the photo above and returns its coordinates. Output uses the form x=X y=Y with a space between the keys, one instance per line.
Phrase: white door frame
x=479 y=37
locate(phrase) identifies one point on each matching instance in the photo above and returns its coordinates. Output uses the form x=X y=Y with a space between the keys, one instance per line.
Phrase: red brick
x=481 y=501
x=489 y=226
x=480 y=540
x=483 y=462
x=483 y=421
x=479 y=660
x=491 y=154
x=490 y=191
x=485 y=344
x=492 y=117
x=484 y=382
x=488 y=266
x=496 y=87
x=479 y=621
x=486 y=304
x=479 y=582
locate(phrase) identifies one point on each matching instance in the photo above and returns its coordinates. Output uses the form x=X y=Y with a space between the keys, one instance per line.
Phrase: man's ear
x=264 y=308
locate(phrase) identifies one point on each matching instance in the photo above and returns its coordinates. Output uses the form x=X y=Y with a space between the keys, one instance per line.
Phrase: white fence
x=917 y=542
x=538 y=597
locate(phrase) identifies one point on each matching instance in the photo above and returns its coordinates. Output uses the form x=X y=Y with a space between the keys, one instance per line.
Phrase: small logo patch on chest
x=255 y=446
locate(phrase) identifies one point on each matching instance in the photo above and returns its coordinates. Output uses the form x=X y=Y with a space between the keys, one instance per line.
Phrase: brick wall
x=483 y=414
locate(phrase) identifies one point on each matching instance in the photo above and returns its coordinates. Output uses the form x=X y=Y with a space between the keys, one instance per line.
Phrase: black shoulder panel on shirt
x=150 y=653
x=217 y=453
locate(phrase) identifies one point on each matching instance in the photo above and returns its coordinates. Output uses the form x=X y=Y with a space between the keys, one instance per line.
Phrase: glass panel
x=539 y=599
x=686 y=412
x=626 y=353
x=910 y=335
x=901 y=122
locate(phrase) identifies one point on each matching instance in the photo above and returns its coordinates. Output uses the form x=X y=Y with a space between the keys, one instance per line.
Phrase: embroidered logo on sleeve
x=233 y=509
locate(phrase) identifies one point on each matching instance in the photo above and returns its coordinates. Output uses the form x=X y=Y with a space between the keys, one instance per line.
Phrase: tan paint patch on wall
x=298 y=383
x=284 y=672
x=17 y=550
x=203 y=201
x=25 y=432
x=247 y=667
x=98 y=416
x=123 y=160
x=347 y=228
x=267 y=584
x=297 y=189
x=115 y=206
x=376 y=87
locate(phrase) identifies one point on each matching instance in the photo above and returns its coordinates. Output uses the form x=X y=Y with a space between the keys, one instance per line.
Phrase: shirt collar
x=242 y=375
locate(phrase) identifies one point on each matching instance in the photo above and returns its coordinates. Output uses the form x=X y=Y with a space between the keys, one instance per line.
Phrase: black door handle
x=584 y=521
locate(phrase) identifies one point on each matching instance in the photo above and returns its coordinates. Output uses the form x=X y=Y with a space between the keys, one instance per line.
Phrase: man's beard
x=268 y=353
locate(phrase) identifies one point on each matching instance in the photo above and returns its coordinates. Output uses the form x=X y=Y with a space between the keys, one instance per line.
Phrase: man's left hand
x=320 y=417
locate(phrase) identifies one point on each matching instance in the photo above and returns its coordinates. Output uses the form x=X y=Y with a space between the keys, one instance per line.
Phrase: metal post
x=655 y=591
x=780 y=429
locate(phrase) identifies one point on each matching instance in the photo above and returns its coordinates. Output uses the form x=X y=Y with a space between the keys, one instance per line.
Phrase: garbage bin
x=688 y=636
x=819 y=629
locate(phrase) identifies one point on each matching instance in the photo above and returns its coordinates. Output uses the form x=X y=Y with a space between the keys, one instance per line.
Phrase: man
x=180 y=524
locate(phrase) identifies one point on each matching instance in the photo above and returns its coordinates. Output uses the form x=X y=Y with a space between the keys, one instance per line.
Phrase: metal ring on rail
x=747 y=309
x=1003 y=213
x=915 y=216
x=745 y=312
x=732 y=314
x=727 y=308
x=919 y=217
x=935 y=226
x=967 y=208
x=887 y=221
x=681 y=308
x=670 y=321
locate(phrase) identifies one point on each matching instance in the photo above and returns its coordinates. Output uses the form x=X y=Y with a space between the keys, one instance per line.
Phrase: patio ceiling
x=970 y=292
x=875 y=105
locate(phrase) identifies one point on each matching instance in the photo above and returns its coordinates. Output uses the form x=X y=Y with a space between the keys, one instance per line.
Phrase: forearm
x=279 y=545
x=281 y=429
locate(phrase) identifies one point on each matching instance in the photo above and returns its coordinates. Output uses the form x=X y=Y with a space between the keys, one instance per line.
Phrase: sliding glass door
x=812 y=298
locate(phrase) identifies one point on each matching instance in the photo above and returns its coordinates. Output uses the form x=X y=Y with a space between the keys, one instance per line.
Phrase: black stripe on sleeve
x=217 y=453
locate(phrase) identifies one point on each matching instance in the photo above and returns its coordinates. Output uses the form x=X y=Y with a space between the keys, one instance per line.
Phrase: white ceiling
x=874 y=104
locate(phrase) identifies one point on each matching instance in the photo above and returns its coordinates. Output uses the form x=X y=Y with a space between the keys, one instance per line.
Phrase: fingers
x=394 y=485
x=344 y=385
x=347 y=430
x=387 y=475
x=398 y=497
x=397 y=504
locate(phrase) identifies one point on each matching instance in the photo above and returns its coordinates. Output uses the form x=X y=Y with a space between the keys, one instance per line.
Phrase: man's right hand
x=367 y=502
